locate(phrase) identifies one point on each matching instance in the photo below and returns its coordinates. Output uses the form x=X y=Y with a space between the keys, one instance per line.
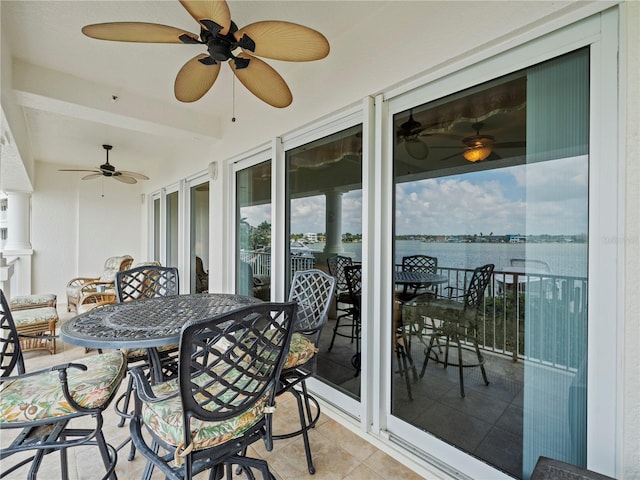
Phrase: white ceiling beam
x=60 y=93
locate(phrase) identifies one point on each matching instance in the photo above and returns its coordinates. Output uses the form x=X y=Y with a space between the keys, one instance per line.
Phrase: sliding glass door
x=495 y=175
x=253 y=231
x=324 y=223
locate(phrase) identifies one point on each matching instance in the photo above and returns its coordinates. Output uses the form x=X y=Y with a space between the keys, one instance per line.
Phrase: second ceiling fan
x=277 y=40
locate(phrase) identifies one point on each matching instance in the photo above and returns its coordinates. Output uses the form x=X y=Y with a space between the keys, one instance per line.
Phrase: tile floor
x=338 y=453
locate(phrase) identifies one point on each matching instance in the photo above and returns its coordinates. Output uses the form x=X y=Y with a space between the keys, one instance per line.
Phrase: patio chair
x=223 y=398
x=353 y=274
x=313 y=292
x=344 y=306
x=455 y=320
x=145 y=281
x=418 y=263
x=41 y=404
x=78 y=287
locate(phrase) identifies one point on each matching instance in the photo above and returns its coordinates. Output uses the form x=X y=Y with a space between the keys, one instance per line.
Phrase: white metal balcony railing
x=550 y=311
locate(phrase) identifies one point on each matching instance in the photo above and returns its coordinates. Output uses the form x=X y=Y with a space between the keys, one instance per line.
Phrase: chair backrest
x=336 y=266
x=539 y=265
x=313 y=292
x=478 y=284
x=10 y=351
x=420 y=263
x=229 y=364
x=147 y=282
x=353 y=274
x=113 y=265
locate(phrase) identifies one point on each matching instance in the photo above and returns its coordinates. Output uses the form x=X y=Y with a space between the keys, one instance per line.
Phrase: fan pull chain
x=233 y=99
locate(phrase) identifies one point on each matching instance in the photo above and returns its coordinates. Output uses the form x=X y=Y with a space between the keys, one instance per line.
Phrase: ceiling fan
x=277 y=40
x=479 y=147
x=410 y=132
x=108 y=170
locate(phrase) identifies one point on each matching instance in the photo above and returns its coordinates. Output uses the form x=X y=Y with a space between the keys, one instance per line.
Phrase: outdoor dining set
x=204 y=370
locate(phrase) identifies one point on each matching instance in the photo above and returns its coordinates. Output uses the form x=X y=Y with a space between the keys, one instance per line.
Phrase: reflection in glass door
x=253 y=231
x=495 y=175
x=172 y=230
x=199 y=238
x=324 y=223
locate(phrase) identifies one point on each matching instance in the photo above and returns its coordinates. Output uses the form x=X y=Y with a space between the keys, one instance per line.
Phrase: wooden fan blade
x=124 y=178
x=263 y=81
x=216 y=10
x=93 y=175
x=195 y=79
x=286 y=41
x=136 y=32
x=138 y=176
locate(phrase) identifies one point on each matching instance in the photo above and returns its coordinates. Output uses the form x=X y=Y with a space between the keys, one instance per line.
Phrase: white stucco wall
x=74 y=228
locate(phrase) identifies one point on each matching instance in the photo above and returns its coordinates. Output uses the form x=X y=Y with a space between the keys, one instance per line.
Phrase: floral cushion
x=132 y=353
x=164 y=418
x=40 y=396
x=33 y=301
x=35 y=315
x=301 y=350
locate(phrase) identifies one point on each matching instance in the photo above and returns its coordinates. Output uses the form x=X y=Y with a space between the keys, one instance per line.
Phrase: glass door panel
x=496 y=175
x=172 y=231
x=253 y=234
x=157 y=253
x=200 y=238
x=324 y=221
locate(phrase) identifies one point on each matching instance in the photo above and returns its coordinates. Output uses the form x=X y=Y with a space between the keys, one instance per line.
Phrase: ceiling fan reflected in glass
x=276 y=40
x=108 y=170
x=409 y=132
x=480 y=147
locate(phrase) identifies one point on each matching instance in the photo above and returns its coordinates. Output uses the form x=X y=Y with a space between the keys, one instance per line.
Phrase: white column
x=333 y=221
x=18 y=221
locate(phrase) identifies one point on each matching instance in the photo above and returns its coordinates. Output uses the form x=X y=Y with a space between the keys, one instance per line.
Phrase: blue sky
x=547 y=197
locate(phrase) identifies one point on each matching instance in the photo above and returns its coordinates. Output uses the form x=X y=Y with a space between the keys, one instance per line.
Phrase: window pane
x=253 y=203
x=200 y=238
x=172 y=229
x=496 y=175
x=324 y=209
x=156 y=230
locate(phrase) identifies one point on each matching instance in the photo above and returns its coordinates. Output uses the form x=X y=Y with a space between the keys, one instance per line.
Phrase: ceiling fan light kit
x=476 y=154
x=277 y=40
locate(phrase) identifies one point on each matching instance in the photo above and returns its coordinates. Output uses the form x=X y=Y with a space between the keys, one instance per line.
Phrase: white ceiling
x=64 y=82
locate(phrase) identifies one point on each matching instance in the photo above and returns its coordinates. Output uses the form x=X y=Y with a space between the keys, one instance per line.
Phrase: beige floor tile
x=349 y=441
x=387 y=467
x=362 y=472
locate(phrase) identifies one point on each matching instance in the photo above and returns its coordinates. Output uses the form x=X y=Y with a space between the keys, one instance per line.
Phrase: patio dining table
x=148 y=323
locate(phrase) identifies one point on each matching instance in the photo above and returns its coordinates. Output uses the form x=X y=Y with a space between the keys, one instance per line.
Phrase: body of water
x=568 y=259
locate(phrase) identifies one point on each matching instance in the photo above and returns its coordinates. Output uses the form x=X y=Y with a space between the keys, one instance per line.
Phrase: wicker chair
x=224 y=396
x=41 y=404
x=79 y=287
x=35 y=317
x=313 y=291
